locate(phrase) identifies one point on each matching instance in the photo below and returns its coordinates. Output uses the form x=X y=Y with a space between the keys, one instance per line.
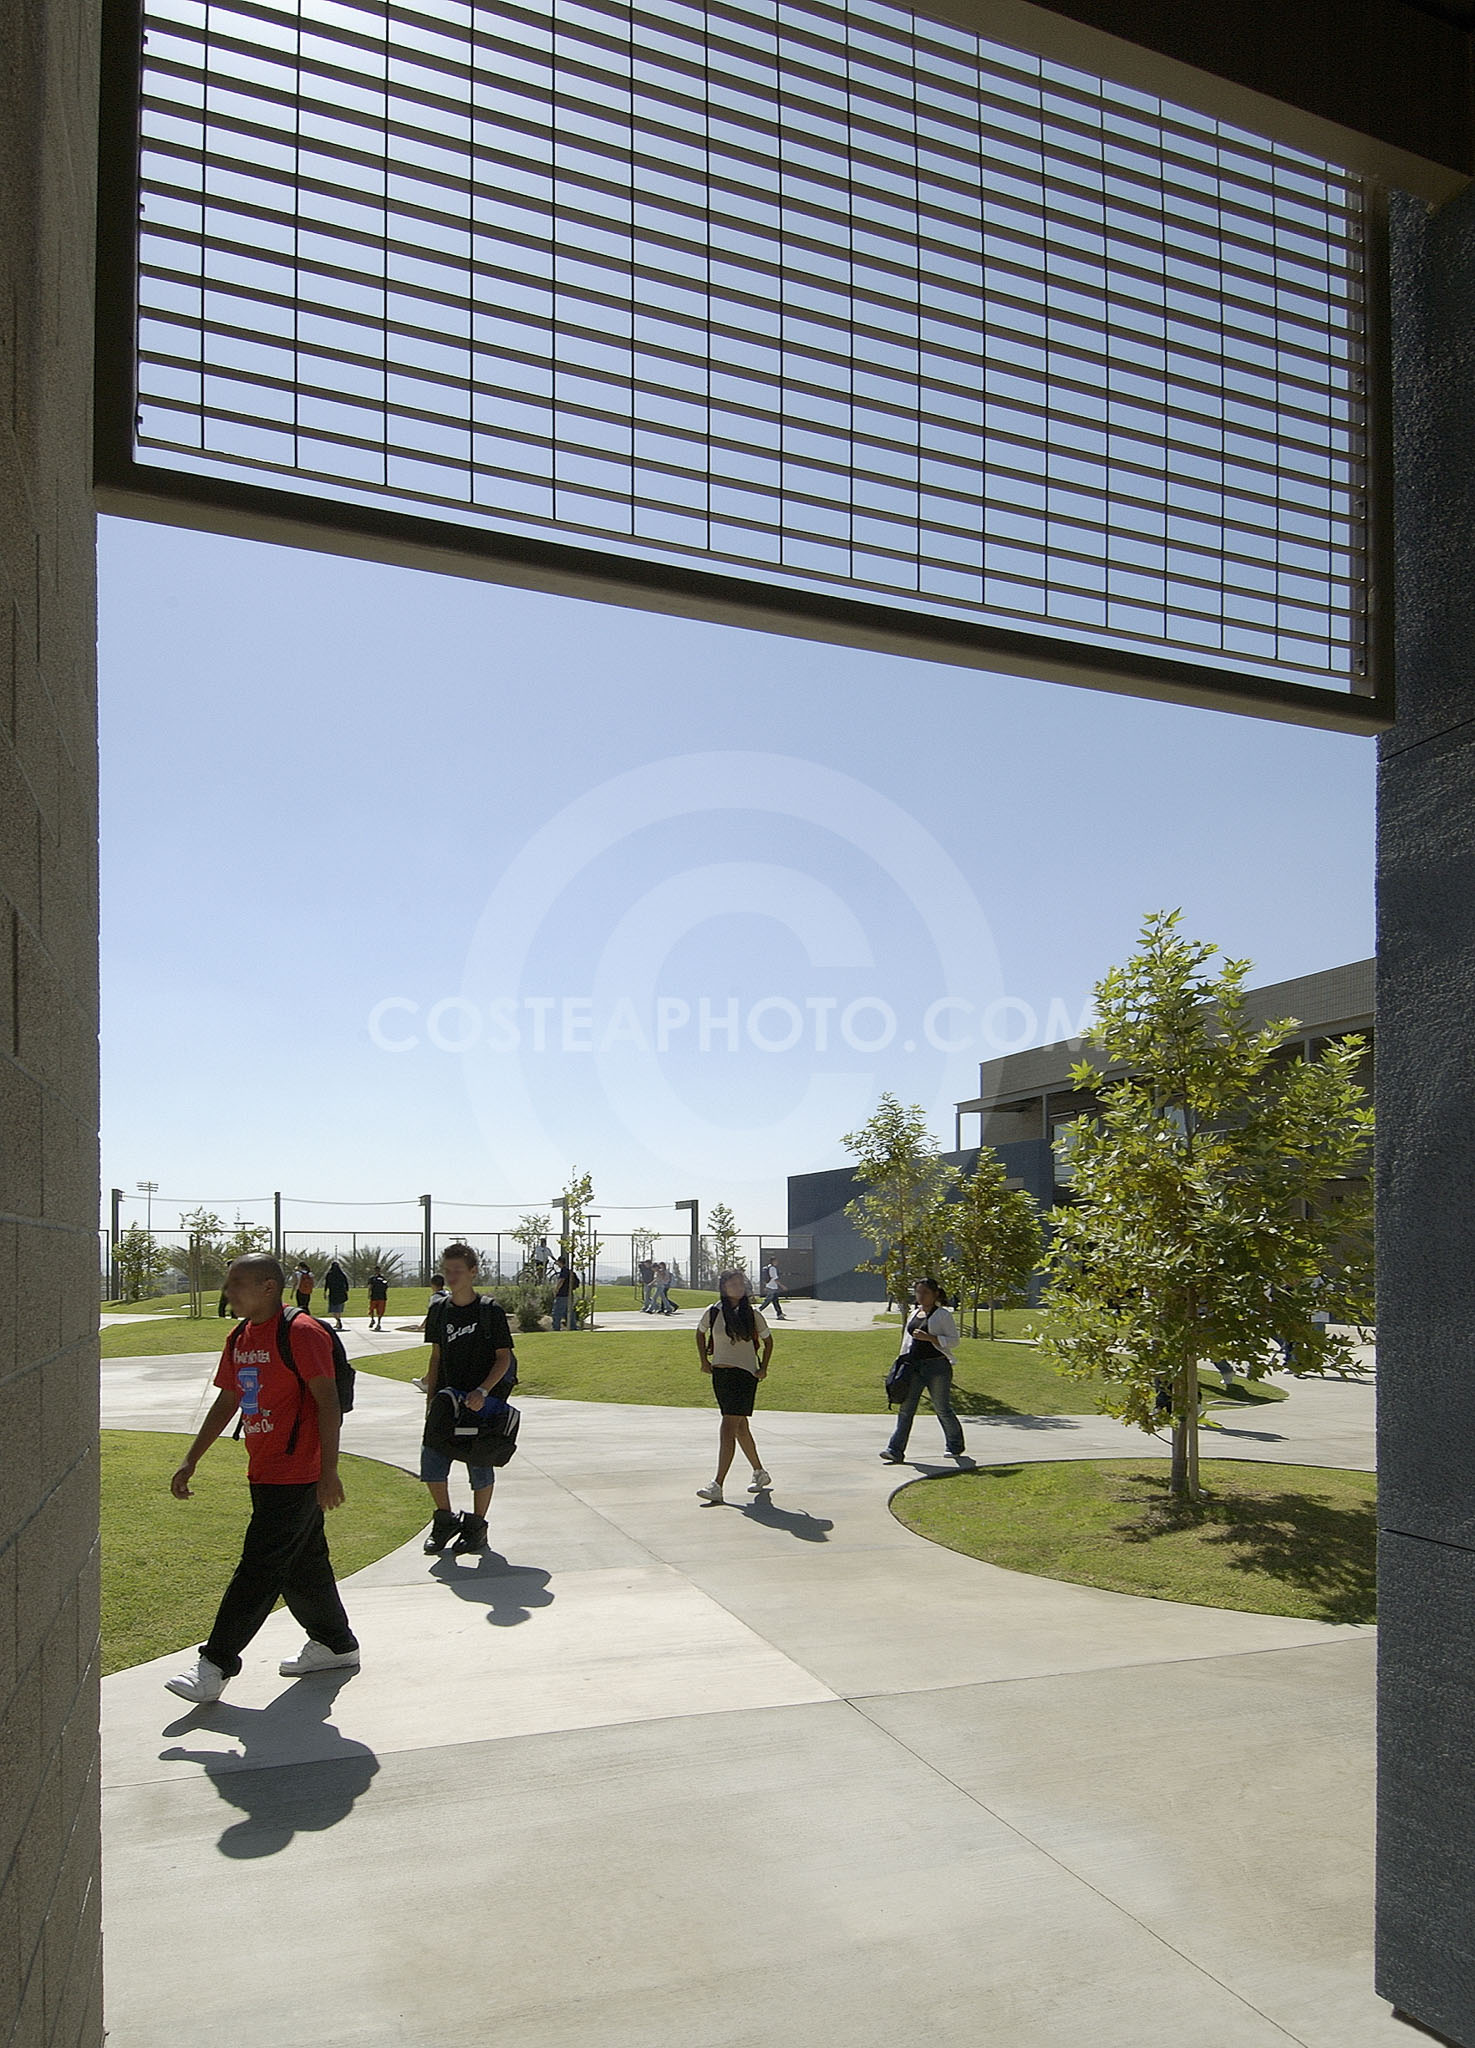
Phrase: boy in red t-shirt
x=291 y=1430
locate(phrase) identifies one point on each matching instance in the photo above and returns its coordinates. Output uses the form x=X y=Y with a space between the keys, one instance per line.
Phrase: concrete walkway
x=658 y=1773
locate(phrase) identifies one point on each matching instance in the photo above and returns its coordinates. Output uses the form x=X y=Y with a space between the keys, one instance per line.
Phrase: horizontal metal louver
x=831 y=297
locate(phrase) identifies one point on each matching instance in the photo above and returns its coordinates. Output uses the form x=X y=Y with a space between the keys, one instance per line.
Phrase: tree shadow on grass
x=1325 y=1549
x=967 y=1402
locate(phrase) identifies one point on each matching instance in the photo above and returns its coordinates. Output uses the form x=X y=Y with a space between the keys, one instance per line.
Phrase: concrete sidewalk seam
x=1076 y=1876
x=1348 y=1632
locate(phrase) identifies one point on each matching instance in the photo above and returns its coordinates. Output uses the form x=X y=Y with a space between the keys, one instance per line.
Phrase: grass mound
x=1267 y=1539
x=814 y=1372
x=165 y=1562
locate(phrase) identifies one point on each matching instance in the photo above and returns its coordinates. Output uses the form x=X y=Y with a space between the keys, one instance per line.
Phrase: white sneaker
x=760 y=1482
x=420 y=1384
x=315 y=1656
x=713 y=1493
x=203 y=1685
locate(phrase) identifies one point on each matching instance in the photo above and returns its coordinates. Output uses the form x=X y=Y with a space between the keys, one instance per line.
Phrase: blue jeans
x=937 y=1383
x=562 y=1312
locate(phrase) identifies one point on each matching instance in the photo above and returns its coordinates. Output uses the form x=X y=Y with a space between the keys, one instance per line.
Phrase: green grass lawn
x=1267 y=1539
x=162 y=1338
x=165 y=1562
x=830 y=1372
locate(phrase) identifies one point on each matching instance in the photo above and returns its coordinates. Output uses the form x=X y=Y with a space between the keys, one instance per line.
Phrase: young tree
x=1204 y=1226
x=726 y=1247
x=529 y=1232
x=996 y=1238
x=579 y=1244
x=244 y=1238
x=902 y=1213
x=141 y=1263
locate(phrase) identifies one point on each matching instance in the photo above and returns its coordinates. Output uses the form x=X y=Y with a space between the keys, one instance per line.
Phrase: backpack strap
x=485 y=1305
x=284 y=1344
x=230 y=1345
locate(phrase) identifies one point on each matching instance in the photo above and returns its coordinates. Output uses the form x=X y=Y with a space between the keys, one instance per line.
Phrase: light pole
x=148 y=1188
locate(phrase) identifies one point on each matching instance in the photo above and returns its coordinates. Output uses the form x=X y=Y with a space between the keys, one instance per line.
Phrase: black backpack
x=482 y=1436
x=344 y=1374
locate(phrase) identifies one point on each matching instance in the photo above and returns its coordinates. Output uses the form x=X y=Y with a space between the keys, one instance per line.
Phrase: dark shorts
x=735 y=1387
x=436 y=1469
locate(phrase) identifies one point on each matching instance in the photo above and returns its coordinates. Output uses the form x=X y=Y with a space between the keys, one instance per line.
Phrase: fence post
x=427 y=1249
x=276 y=1225
x=693 y=1255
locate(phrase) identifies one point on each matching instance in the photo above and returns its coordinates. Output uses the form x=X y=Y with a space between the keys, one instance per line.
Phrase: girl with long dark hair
x=734 y=1345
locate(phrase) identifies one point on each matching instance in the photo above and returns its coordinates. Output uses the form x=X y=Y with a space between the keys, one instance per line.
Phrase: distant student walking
x=734 y=1345
x=565 y=1295
x=291 y=1422
x=660 y=1292
x=930 y=1342
x=302 y=1286
x=335 y=1286
x=773 y=1287
x=378 y=1299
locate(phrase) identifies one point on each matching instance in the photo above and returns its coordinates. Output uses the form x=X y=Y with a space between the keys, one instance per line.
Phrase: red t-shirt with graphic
x=251 y=1367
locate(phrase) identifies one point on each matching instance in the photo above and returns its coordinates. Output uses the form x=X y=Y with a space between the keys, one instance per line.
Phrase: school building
x=1024 y=1109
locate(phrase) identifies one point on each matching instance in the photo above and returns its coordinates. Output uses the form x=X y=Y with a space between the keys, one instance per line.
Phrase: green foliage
x=995 y=1239
x=725 y=1239
x=530 y=1232
x=526 y=1303
x=903 y=1212
x=1216 y=1210
x=578 y=1243
x=141 y=1261
x=242 y=1239
x=368 y=1259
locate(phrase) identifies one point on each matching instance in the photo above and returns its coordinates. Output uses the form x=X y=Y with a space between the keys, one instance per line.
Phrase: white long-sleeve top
x=941 y=1331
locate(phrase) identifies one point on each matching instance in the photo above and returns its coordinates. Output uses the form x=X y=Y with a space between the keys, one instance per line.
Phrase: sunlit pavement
x=655 y=1772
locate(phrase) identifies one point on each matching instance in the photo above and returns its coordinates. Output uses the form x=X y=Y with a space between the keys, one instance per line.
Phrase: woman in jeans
x=930 y=1341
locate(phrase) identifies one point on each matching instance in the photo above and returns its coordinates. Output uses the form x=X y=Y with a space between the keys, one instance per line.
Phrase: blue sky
x=412 y=883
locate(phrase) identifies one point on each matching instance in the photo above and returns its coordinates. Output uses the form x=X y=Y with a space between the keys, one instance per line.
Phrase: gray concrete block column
x=1426 y=1144
x=50 y=1988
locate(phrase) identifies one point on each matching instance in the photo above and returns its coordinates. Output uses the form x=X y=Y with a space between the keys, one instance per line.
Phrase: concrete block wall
x=50 y=1980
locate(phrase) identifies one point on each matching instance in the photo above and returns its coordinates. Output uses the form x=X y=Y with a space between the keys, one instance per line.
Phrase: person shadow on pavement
x=808 y=1528
x=509 y=1592
x=281 y=1799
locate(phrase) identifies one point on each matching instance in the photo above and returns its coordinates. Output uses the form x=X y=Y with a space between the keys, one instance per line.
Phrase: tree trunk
x=1183 y=1478
x=991 y=1319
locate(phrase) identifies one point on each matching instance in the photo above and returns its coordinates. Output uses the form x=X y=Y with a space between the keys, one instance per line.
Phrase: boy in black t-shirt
x=470 y=1350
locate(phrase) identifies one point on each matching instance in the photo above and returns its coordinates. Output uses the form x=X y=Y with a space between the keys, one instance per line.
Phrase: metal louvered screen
x=833 y=299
